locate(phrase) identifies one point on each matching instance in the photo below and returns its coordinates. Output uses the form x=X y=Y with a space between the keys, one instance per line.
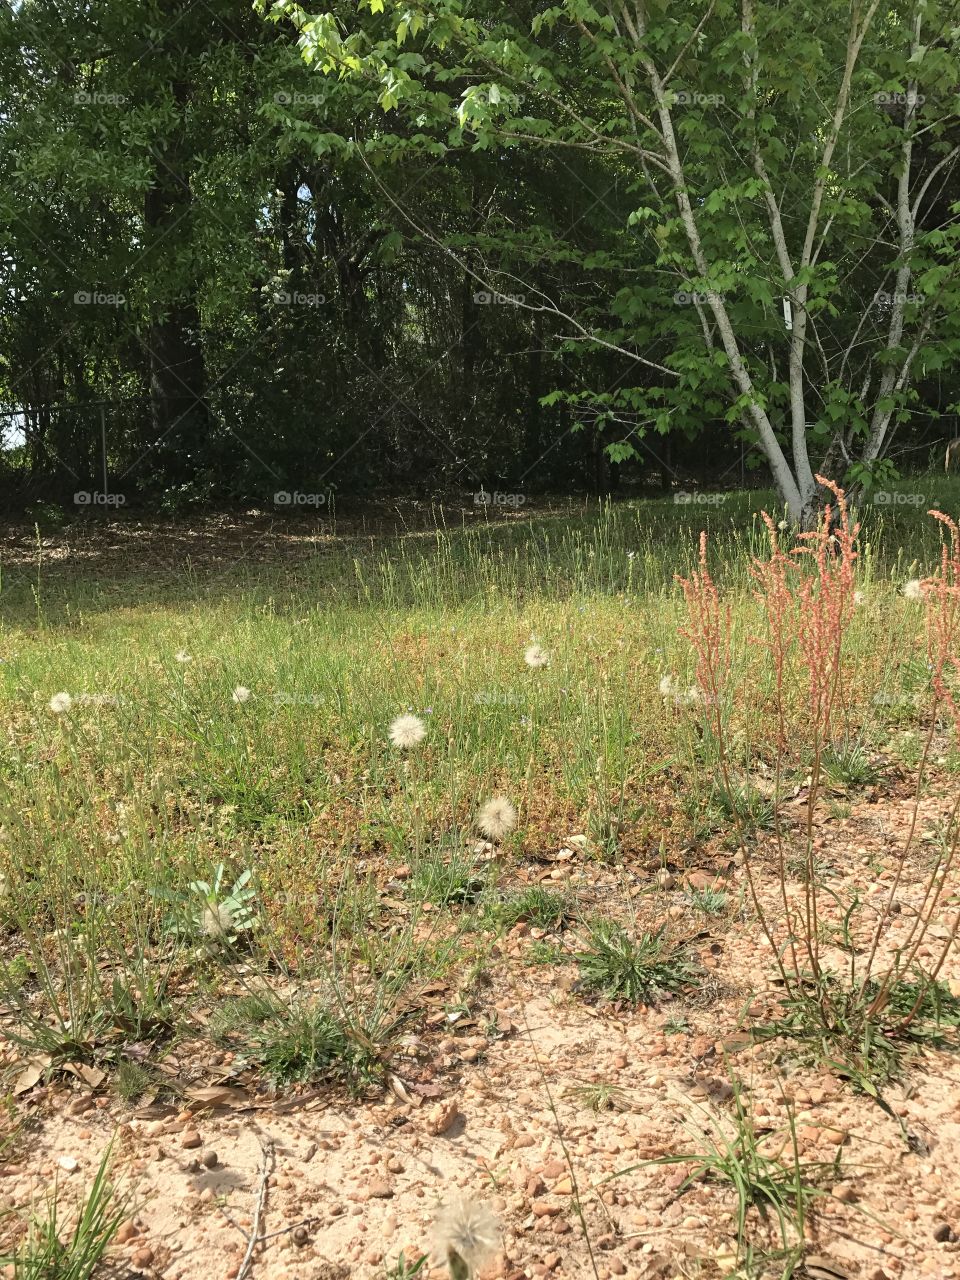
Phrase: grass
x=763 y=1171
x=165 y=848
x=52 y=1251
x=622 y=966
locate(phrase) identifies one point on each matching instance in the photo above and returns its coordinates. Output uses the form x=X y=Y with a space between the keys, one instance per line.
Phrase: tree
x=792 y=257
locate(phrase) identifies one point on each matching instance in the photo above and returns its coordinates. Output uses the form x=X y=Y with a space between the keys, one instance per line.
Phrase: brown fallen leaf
x=818 y=1267
x=91 y=1076
x=219 y=1096
x=31 y=1075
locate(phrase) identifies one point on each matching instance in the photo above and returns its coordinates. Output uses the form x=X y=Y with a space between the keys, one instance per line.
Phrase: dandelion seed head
x=407 y=731
x=536 y=657
x=241 y=694
x=666 y=686
x=469 y=1230
x=913 y=590
x=497 y=818
x=60 y=703
x=859 y=597
x=182 y=656
x=217 y=920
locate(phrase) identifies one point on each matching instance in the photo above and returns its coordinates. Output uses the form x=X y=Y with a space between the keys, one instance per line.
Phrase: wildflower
x=182 y=656
x=217 y=920
x=782 y=526
x=913 y=590
x=241 y=694
x=859 y=597
x=667 y=687
x=536 y=657
x=497 y=818
x=467 y=1235
x=407 y=731
x=60 y=703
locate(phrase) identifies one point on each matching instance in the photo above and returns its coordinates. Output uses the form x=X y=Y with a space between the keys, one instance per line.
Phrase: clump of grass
x=445 y=879
x=543 y=908
x=764 y=1175
x=306 y=1042
x=620 y=966
x=48 y=1253
x=712 y=902
x=864 y=1033
x=848 y=764
x=600 y=1096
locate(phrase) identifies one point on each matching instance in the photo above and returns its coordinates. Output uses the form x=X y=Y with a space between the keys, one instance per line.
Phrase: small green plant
x=447 y=879
x=545 y=952
x=764 y=1171
x=848 y=764
x=864 y=1032
x=543 y=908
x=676 y=1026
x=212 y=910
x=308 y=1042
x=600 y=1096
x=743 y=805
x=621 y=967
x=49 y=1254
x=131 y=1080
x=712 y=902
x=404 y=1268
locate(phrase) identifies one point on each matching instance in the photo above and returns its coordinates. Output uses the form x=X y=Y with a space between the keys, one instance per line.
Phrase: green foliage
x=619 y=966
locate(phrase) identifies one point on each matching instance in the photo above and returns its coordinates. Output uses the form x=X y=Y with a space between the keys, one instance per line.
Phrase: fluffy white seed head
x=497 y=818
x=468 y=1231
x=241 y=694
x=182 y=656
x=406 y=731
x=60 y=703
x=536 y=657
x=217 y=921
x=913 y=590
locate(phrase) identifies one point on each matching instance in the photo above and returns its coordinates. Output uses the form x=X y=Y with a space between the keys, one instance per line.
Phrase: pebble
x=210 y=1159
x=380 y=1189
x=190 y=1139
x=142 y=1257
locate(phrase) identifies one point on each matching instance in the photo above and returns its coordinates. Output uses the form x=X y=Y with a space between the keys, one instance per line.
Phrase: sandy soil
x=498 y=1113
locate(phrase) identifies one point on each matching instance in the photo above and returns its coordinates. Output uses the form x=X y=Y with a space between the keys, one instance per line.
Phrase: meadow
x=346 y=830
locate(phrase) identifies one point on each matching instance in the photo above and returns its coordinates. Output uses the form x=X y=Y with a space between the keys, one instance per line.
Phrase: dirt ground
x=498 y=1112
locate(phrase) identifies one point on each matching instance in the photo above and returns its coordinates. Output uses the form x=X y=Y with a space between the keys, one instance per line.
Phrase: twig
x=265 y=1168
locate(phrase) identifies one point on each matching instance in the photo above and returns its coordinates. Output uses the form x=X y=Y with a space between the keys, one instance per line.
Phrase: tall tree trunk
x=178 y=384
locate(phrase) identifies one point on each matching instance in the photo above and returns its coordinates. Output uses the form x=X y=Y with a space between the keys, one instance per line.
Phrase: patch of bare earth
x=493 y=1107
